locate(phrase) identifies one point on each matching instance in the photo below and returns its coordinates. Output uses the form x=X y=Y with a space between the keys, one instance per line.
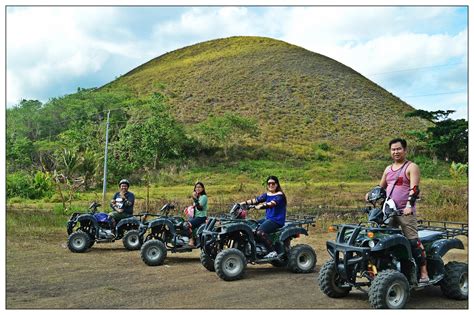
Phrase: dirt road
x=43 y=273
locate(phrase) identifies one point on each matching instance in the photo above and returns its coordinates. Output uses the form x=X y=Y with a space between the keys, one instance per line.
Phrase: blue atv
x=85 y=229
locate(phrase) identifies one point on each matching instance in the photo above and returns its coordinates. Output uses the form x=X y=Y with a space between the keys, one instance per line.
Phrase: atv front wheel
x=230 y=264
x=153 y=253
x=455 y=283
x=329 y=281
x=79 y=242
x=207 y=261
x=389 y=289
x=131 y=240
x=302 y=259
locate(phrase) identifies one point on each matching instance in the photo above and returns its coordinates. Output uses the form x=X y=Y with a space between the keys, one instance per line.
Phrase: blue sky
x=417 y=53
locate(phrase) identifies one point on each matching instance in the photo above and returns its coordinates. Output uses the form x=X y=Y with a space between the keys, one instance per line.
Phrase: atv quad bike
x=378 y=257
x=85 y=229
x=163 y=234
x=229 y=243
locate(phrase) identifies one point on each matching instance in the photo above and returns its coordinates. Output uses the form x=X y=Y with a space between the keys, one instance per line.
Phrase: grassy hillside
x=300 y=98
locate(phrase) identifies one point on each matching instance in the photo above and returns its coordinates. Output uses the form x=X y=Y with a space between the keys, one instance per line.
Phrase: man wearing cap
x=122 y=203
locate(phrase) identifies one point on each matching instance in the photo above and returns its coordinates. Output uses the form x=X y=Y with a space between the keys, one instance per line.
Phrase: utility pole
x=104 y=187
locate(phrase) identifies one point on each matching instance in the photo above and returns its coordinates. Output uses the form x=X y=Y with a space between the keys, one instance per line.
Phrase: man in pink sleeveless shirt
x=405 y=175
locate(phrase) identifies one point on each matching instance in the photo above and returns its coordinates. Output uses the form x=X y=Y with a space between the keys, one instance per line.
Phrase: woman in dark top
x=274 y=200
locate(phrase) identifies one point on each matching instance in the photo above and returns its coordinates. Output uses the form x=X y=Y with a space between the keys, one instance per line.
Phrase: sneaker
x=271 y=255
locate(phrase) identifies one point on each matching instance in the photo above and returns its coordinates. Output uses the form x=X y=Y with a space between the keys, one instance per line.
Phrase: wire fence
x=320 y=212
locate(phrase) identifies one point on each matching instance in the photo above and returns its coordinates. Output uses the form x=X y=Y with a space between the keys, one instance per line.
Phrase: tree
x=448 y=138
x=151 y=137
x=227 y=131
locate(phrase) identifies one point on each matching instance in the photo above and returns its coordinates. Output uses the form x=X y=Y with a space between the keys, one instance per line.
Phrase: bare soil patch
x=44 y=274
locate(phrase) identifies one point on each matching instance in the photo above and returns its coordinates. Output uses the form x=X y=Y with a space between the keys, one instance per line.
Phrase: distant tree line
x=59 y=145
x=447 y=139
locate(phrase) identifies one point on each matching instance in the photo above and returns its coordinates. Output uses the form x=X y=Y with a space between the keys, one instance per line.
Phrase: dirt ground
x=44 y=274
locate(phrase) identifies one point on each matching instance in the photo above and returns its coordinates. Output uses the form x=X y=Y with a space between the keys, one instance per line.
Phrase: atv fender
x=198 y=235
x=121 y=225
x=394 y=240
x=199 y=230
x=292 y=231
x=131 y=221
x=162 y=221
x=245 y=229
x=442 y=246
x=83 y=218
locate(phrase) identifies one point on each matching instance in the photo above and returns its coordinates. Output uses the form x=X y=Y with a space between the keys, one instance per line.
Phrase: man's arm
x=383 y=180
x=413 y=173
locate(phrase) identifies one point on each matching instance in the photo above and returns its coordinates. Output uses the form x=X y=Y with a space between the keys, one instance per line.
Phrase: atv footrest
x=182 y=249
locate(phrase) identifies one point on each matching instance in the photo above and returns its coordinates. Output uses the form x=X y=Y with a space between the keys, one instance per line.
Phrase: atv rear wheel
x=329 y=281
x=79 y=242
x=131 y=240
x=455 y=282
x=153 y=253
x=207 y=261
x=389 y=289
x=302 y=259
x=230 y=264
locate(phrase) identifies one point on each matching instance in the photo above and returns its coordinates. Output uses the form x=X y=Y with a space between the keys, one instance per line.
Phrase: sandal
x=424 y=280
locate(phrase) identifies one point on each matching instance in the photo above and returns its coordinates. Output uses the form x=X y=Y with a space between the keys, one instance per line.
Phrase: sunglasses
x=271 y=183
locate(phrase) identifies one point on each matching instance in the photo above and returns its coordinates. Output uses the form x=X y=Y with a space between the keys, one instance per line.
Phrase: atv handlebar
x=94 y=205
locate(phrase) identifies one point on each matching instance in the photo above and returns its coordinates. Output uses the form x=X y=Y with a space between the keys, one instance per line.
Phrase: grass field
x=331 y=202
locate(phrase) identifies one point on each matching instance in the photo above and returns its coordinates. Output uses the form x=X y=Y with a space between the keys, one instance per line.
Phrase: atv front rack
x=449 y=229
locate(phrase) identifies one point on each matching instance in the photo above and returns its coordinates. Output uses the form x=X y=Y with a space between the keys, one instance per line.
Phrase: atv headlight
x=372 y=243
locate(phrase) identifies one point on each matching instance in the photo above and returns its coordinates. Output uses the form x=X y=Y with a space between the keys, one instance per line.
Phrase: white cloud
x=47 y=46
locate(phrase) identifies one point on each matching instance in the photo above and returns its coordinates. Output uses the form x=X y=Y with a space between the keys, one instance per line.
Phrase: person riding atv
x=164 y=233
x=228 y=243
x=274 y=201
x=379 y=257
x=122 y=203
x=85 y=229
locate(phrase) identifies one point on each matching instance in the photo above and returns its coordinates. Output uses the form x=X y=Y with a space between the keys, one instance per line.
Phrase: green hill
x=299 y=97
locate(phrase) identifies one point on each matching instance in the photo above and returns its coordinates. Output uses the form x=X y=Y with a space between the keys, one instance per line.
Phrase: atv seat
x=429 y=235
x=287 y=224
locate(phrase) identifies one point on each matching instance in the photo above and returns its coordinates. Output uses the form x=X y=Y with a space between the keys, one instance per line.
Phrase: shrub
x=21 y=184
x=18 y=185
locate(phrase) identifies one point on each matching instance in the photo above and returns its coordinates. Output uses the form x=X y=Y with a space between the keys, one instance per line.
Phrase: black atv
x=228 y=244
x=85 y=229
x=379 y=257
x=165 y=233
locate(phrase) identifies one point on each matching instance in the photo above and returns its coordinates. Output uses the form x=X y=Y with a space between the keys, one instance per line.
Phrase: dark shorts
x=117 y=216
x=197 y=222
x=268 y=226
